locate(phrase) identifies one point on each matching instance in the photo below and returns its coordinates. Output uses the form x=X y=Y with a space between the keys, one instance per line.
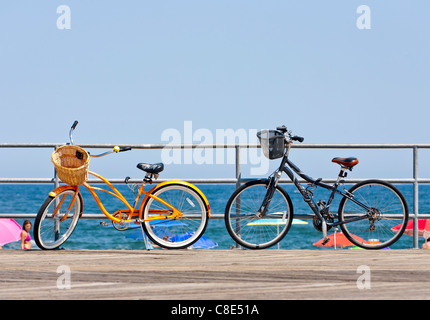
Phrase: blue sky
x=129 y=70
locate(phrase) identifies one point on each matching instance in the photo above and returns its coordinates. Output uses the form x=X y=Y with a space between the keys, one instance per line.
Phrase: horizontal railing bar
x=227 y=145
x=117 y=181
x=201 y=181
x=84 y=216
x=213 y=216
x=361 y=146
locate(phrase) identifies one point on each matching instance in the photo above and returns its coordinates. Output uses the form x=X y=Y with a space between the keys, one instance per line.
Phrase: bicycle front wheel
x=385 y=219
x=180 y=232
x=243 y=223
x=57 y=218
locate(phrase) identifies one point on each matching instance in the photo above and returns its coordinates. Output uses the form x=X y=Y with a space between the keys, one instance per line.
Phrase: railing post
x=415 y=195
x=238 y=177
x=56 y=185
x=56 y=180
x=238 y=173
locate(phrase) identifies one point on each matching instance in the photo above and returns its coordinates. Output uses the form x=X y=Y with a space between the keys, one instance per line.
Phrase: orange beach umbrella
x=338 y=239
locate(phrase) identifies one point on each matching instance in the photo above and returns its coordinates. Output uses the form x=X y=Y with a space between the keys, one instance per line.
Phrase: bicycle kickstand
x=324 y=230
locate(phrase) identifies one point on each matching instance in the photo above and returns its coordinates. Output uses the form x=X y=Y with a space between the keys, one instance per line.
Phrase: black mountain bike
x=259 y=213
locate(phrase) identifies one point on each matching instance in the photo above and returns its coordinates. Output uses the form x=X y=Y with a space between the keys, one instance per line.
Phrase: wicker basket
x=72 y=164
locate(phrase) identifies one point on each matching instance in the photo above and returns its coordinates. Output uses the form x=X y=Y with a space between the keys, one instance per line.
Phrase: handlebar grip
x=74 y=124
x=118 y=149
x=297 y=138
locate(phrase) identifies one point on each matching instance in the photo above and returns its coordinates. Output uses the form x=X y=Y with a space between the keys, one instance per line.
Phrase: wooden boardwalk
x=215 y=274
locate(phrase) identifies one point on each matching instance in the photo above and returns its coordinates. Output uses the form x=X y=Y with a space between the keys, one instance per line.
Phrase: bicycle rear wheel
x=56 y=219
x=243 y=224
x=180 y=232
x=386 y=220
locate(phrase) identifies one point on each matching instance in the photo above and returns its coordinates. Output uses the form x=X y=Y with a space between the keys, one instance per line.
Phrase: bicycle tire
x=253 y=232
x=376 y=231
x=183 y=231
x=46 y=235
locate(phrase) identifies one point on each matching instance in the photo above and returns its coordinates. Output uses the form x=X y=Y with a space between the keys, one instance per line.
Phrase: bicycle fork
x=271 y=186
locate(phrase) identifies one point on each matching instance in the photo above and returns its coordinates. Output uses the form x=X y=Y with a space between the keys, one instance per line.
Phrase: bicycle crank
x=319 y=225
x=122 y=225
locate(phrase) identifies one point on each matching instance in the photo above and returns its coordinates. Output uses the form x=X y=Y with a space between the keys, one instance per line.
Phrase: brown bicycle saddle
x=346 y=162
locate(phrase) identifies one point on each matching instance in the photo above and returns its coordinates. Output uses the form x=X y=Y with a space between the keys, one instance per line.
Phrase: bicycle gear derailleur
x=329 y=218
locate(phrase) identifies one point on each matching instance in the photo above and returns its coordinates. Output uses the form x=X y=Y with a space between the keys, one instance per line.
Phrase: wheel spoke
x=55 y=222
x=388 y=210
x=179 y=232
x=248 y=229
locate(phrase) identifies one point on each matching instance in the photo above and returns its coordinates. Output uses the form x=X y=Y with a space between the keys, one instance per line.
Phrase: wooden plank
x=215 y=274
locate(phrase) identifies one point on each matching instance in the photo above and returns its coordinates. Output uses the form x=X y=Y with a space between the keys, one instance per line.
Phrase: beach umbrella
x=161 y=228
x=338 y=239
x=268 y=222
x=203 y=242
x=423 y=224
x=138 y=235
x=274 y=222
x=10 y=231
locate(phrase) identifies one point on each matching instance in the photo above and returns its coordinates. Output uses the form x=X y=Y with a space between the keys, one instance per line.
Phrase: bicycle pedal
x=104 y=224
x=325 y=241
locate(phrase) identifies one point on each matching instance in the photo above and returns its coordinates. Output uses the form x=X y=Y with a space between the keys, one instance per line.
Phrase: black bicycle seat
x=151 y=168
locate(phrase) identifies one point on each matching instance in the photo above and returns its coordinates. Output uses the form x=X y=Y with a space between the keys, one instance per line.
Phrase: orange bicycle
x=173 y=214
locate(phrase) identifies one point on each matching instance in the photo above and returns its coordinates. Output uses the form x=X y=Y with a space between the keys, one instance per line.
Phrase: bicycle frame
x=132 y=211
x=285 y=166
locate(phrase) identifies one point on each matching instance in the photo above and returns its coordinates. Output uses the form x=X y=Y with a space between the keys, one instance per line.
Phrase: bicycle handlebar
x=297 y=138
x=285 y=131
x=116 y=149
x=71 y=131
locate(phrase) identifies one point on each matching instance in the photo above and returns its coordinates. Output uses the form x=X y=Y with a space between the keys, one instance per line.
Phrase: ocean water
x=90 y=234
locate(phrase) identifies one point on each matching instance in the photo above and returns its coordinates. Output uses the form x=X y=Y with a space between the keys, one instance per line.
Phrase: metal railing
x=415 y=181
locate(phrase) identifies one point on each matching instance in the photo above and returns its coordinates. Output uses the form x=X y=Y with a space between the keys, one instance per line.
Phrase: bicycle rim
x=243 y=224
x=388 y=218
x=52 y=230
x=176 y=233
